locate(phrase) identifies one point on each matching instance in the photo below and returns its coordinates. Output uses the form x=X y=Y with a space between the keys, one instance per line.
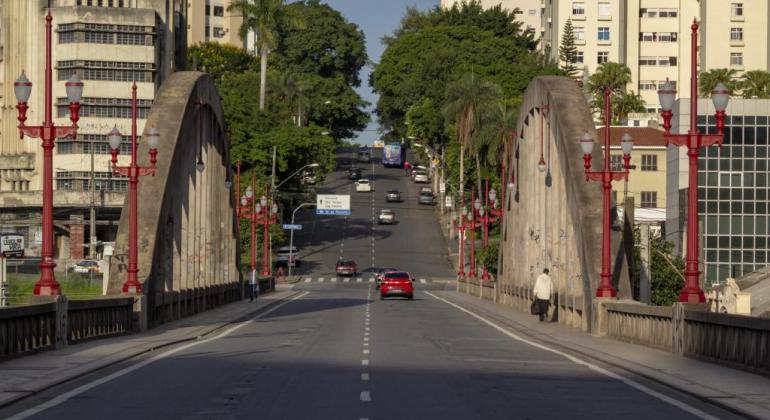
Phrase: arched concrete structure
x=188 y=247
x=554 y=219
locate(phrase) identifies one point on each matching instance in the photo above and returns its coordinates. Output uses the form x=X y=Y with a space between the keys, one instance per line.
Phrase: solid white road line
x=86 y=387
x=364 y=376
x=630 y=382
x=365 y=396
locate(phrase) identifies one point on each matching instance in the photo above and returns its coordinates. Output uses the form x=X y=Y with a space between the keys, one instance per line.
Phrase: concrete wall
x=187 y=230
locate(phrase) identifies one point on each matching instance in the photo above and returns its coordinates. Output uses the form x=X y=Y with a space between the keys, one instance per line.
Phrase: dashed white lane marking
x=366 y=339
x=366 y=344
x=308 y=280
x=364 y=376
x=366 y=333
x=346 y=280
x=366 y=351
x=365 y=362
x=334 y=280
x=365 y=396
x=358 y=280
x=320 y=279
x=630 y=382
x=62 y=398
x=423 y=281
x=366 y=328
x=371 y=280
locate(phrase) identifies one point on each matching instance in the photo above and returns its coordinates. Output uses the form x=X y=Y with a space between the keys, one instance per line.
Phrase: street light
x=47 y=132
x=310 y=165
x=541 y=166
x=133 y=171
x=606 y=176
x=693 y=140
x=487 y=215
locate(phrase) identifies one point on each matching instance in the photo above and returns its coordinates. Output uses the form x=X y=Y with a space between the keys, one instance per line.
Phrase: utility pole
x=92 y=241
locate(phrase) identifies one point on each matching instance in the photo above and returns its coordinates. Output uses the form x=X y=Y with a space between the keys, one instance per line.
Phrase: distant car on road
x=86 y=267
x=364 y=156
x=283 y=259
x=426 y=198
x=363 y=185
x=386 y=217
x=354 y=173
x=424 y=190
x=421 y=176
x=393 y=196
x=346 y=268
x=397 y=283
x=380 y=273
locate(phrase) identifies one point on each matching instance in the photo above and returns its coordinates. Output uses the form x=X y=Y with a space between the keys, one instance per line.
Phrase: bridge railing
x=27 y=328
x=737 y=340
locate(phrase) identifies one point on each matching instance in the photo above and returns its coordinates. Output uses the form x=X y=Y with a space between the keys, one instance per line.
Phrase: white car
x=363 y=185
x=283 y=259
x=386 y=217
x=421 y=177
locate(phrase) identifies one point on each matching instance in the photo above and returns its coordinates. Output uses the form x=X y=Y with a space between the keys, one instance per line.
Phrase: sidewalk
x=732 y=389
x=34 y=373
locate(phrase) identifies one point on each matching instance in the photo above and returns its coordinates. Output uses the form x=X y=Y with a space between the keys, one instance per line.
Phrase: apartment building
x=529 y=10
x=209 y=20
x=109 y=44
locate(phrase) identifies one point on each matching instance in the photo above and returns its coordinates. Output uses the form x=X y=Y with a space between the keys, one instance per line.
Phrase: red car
x=346 y=268
x=397 y=283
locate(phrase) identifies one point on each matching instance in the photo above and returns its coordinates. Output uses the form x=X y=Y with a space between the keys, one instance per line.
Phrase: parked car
x=346 y=268
x=380 y=273
x=86 y=267
x=416 y=169
x=354 y=173
x=421 y=176
x=386 y=217
x=363 y=185
x=393 y=196
x=283 y=260
x=397 y=283
x=426 y=198
x=424 y=189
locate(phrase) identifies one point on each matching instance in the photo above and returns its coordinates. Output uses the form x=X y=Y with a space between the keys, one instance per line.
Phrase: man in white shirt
x=543 y=292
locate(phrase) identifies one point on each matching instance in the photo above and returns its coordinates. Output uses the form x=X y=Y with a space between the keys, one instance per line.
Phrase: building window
x=579 y=9
x=219 y=32
x=532 y=12
x=579 y=57
x=604 y=33
x=208 y=10
x=80 y=181
x=580 y=33
x=82 y=144
x=736 y=34
x=647 y=85
x=737 y=9
x=604 y=9
x=219 y=11
x=649 y=162
x=667 y=61
x=667 y=37
x=616 y=162
x=647 y=36
x=99 y=38
x=649 y=199
x=668 y=13
x=736 y=59
x=602 y=57
x=648 y=61
x=648 y=13
x=104 y=107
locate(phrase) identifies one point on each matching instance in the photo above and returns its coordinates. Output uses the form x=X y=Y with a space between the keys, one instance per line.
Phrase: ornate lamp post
x=460 y=226
x=472 y=225
x=133 y=171
x=47 y=132
x=244 y=210
x=606 y=176
x=541 y=166
x=693 y=140
x=265 y=216
x=487 y=215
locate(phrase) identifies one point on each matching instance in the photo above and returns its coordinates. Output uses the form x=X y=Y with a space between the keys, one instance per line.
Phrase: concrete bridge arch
x=187 y=229
x=554 y=218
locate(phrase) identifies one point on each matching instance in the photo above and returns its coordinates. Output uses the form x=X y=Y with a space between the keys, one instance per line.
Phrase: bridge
x=324 y=346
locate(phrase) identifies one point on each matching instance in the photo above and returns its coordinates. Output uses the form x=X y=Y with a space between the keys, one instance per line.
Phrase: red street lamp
x=133 y=171
x=606 y=176
x=472 y=225
x=487 y=215
x=541 y=166
x=693 y=140
x=48 y=133
x=244 y=210
x=265 y=216
x=460 y=226
x=257 y=212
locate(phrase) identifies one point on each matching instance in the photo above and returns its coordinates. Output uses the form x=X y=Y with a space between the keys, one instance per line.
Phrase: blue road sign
x=336 y=212
x=292 y=227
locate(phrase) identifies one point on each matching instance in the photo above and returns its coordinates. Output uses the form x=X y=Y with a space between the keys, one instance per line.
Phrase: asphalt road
x=336 y=351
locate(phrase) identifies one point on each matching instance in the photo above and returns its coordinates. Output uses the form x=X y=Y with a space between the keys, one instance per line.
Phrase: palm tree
x=263 y=18
x=292 y=90
x=626 y=103
x=465 y=97
x=498 y=127
x=707 y=80
x=614 y=76
x=755 y=83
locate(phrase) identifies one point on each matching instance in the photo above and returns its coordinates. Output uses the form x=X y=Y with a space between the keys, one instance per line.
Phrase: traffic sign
x=292 y=227
x=333 y=204
x=442 y=187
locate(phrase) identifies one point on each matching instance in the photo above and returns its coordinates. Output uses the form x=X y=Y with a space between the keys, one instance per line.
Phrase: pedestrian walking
x=542 y=292
x=253 y=286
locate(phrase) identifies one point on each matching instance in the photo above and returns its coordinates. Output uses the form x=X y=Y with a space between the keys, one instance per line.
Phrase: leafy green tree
x=568 y=50
x=293 y=93
x=262 y=17
x=465 y=97
x=219 y=59
x=616 y=77
x=426 y=123
x=625 y=103
x=755 y=83
x=709 y=79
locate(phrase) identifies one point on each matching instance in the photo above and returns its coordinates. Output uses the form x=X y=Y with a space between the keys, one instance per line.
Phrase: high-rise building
x=109 y=44
x=209 y=20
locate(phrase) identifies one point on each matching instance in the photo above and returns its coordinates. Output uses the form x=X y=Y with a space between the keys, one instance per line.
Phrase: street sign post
x=333 y=204
x=292 y=227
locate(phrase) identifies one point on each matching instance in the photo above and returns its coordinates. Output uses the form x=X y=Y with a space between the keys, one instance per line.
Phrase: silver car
x=421 y=177
x=426 y=198
x=386 y=217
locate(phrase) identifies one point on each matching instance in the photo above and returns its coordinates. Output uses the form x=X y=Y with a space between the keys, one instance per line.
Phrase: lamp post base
x=54 y=290
x=692 y=296
x=606 y=293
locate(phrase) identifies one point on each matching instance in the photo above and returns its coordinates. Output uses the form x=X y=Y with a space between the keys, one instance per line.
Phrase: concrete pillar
x=77 y=237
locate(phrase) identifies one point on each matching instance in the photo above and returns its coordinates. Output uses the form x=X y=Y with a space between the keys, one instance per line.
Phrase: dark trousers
x=542 y=305
x=253 y=294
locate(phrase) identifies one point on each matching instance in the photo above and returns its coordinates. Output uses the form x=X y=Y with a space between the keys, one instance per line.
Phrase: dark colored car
x=426 y=198
x=393 y=196
x=397 y=283
x=346 y=268
x=354 y=173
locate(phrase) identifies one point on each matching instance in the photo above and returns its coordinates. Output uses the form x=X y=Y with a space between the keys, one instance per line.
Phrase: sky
x=376 y=18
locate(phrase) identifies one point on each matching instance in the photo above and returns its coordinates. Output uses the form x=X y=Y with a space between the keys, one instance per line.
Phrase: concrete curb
x=599 y=357
x=76 y=375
